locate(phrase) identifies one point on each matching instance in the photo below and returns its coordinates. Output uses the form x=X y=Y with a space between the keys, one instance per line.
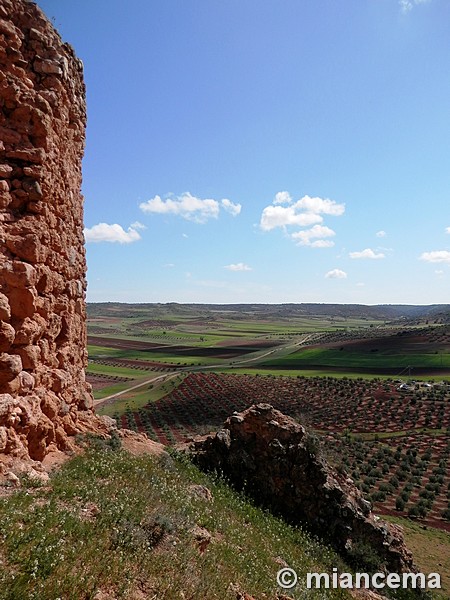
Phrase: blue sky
x=265 y=150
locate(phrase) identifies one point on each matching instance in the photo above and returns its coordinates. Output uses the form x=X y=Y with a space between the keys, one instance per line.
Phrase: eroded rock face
x=275 y=460
x=43 y=394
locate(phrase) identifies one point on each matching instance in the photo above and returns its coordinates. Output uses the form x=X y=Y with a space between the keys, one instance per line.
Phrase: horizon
x=293 y=153
x=443 y=305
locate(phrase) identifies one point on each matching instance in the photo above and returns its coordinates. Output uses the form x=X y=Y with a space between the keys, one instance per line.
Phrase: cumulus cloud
x=447 y=230
x=238 y=267
x=189 y=207
x=281 y=216
x=305 y=237
x=320 y=206
x=103 y=232
x=230 y=207
x=381 y=234
x=367 y=253
x=407 y=5
x=137 y=225
x=436 y=256
x=306 y=212
x=282 y=198
x=336 y=274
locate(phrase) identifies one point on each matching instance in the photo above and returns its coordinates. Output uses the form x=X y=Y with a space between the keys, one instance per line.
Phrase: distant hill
x=384 y=312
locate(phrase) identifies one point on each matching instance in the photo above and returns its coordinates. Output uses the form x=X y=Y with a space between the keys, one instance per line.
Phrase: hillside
x=109 y=525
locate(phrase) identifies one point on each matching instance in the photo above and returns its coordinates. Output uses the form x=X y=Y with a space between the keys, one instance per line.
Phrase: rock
x=38 y=476
x=10 y=367
x=202 y=536
x=22 y=302
x=13 y=479
x=5 y=170
x=109 y=422
x=7 y=335
x=5 y=309
x=275 y=460
x=201 y=491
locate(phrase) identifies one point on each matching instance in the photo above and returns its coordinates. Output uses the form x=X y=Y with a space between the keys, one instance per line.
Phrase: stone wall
x=43 y=394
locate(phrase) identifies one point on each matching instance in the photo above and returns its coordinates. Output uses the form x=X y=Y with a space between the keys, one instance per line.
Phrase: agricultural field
x=395 y=445
x=374 y=385
x=418 y=351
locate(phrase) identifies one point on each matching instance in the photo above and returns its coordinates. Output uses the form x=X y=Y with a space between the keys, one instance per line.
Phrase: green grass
x=117 y=370
x=304 y=373
x=396 y=434
x=383 y=359
x=111 y=389
x=137 y=399
x=431 y=549
x=99 y=352
x=126 y=526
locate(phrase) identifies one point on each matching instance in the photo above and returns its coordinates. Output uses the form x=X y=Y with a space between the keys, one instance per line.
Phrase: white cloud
x=320 y=206
x=321 y=244
x=282 y=198
x=169 y=265
x=281 y=216
x=187 y=206
x=304 y=237
x=238 y=267
x=381 y=234
x=103 y=232
x=305 y=212
x=230 y=207
x=436 y=256
x=447 y=230
x=367 y=253
x=137 y=225
x=336 y=274
x=408 y=5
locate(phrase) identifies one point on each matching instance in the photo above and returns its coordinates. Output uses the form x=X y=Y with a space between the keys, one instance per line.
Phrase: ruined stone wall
x=43 y=394
x=277 y=462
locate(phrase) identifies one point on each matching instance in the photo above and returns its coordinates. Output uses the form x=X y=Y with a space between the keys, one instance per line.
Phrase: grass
x=112 y=523
x=431 y=549
x=383 y=359
x=303 y=373
x=115 y=370
x=135 y=399
x=99 y=352
x=394 y=434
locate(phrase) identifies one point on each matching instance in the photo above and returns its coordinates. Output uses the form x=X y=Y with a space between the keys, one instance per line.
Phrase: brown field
x=100 y=381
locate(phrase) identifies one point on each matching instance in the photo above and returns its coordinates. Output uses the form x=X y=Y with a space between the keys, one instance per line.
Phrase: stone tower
x=44 y=398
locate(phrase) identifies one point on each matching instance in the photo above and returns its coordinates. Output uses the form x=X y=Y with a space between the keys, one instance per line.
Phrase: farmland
x=373 y=385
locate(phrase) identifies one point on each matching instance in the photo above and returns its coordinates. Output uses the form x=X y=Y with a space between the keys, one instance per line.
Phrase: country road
x=229 y=364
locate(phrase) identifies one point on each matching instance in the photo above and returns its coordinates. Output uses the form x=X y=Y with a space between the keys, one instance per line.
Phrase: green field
x=223 y=338
x=386 y=359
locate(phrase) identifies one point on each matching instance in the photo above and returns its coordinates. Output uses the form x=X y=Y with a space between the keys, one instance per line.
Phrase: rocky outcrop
x=276 y=461
x=44 y=398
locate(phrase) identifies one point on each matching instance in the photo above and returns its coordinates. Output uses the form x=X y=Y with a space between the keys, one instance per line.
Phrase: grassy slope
x=431 y=549
x=98 y=527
